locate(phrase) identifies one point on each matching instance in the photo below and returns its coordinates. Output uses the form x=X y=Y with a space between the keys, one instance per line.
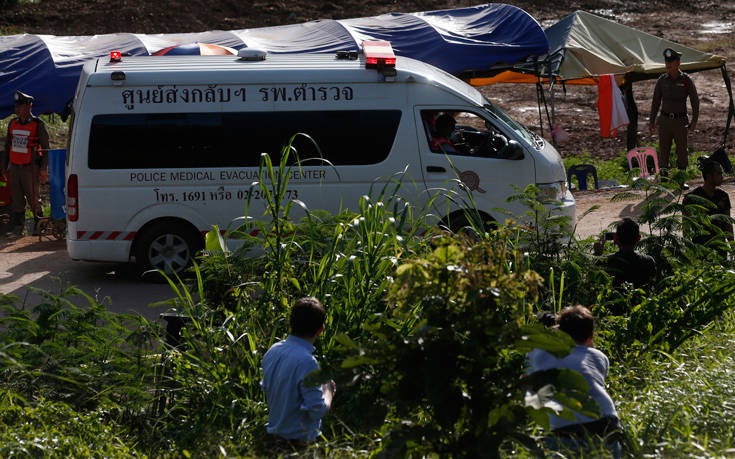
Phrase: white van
x=162 y=148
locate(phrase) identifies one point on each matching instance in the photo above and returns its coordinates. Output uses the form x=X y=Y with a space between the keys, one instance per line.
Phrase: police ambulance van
x=162 y=148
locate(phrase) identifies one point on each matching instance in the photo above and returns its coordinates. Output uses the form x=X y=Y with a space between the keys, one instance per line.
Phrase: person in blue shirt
x=295 y=409
x=569 y=435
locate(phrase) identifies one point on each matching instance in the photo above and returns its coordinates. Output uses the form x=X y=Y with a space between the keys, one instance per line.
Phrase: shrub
x=441 y=362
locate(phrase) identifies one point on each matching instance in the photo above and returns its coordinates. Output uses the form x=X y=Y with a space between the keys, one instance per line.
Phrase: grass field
x=406 y=311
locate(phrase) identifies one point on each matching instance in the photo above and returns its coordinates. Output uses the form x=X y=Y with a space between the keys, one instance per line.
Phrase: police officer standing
x=672 y=90
x=26 y=136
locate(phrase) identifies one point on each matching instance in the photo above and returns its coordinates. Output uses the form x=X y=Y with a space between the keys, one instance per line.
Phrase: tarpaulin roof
x=457 y=40
x=583 y=46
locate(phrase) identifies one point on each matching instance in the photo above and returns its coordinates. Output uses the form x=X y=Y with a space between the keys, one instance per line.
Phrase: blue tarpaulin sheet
x=458 y=40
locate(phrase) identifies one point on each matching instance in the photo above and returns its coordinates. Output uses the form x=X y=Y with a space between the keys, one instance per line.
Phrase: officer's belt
x=674 y=115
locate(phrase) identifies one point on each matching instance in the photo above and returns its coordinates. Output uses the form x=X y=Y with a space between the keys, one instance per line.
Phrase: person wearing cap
x=25 y=139
x=712 y=200
x=670 y=94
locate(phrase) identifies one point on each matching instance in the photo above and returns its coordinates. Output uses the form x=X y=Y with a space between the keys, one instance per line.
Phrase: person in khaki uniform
x=671 y=92
x=26 y=137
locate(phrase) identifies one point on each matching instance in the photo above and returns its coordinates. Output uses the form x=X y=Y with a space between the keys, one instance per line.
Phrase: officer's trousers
x=676 y=130
x=24 y=188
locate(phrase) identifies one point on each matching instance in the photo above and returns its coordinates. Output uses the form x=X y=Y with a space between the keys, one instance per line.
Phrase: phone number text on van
x=219 y=195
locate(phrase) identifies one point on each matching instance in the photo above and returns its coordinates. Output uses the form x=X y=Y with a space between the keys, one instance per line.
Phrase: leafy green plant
x=426 y=332
x=445 y=349
x=85 y=356
x=681 y=407
x=52 y=428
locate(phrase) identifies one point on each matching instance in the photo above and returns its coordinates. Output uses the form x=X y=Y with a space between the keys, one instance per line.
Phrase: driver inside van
x=475 y=136
x=444 y=128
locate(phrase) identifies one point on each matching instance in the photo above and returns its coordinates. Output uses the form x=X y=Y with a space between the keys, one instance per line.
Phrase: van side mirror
x=512 y=151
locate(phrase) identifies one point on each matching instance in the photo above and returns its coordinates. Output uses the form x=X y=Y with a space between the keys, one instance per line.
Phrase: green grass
x=715 y=45
x=617 y=169
x=54 y=429
x=417 y=323
x=685 y=407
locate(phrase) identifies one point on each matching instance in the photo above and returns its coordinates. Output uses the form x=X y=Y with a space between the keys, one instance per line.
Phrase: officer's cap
x=671 y=55
x=20 y=98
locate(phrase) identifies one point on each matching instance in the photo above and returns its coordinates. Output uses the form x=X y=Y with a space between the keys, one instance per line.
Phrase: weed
x=425 y=336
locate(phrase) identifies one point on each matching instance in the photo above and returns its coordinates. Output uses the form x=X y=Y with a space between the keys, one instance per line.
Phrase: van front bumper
x=567 y=208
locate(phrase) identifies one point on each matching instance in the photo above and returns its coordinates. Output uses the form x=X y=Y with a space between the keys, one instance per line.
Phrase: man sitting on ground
x=627 y=265
x=716 y=201
x=295 y=409
x=593 y=365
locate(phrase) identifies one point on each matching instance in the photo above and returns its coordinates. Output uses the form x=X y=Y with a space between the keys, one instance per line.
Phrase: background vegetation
x=425 y=337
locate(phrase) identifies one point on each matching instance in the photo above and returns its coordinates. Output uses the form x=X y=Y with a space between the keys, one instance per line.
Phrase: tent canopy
x=583 y=46
x=465 y=39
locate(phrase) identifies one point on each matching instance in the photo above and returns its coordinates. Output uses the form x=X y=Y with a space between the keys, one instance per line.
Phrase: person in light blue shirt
x=295 y=409
x=572 y=435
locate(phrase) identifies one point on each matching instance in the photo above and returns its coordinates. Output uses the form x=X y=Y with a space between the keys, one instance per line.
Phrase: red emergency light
x=378 y=53
x=115 y=56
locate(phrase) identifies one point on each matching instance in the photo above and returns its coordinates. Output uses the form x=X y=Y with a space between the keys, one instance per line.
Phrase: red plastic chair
x=641 y=154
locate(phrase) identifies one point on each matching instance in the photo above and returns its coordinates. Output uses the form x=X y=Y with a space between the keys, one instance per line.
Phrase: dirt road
x=45 y=265
x=609 y=212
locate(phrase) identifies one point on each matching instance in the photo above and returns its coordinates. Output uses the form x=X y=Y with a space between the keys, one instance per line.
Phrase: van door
x=460 y=144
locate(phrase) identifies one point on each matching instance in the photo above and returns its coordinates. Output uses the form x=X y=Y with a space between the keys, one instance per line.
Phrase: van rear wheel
x=167 y=247
x=458 y=222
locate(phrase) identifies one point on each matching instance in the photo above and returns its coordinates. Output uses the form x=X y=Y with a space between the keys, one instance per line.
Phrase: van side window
x=185 y=140
x=466 y=134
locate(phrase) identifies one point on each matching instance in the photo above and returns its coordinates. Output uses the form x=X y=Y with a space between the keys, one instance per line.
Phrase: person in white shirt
x=578 y=322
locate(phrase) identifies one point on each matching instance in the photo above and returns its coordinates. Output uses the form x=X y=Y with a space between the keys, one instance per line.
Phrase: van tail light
x=72 y=198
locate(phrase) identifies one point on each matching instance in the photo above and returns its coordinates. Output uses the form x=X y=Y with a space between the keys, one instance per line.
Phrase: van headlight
x=556 y=191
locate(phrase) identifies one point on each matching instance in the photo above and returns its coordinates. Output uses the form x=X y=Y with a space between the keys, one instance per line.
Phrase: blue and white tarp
x=475 y=38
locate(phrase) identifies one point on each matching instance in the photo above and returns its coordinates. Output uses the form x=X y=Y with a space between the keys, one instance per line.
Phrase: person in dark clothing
x=445 y=124
x=713 y=201
x=627 y=265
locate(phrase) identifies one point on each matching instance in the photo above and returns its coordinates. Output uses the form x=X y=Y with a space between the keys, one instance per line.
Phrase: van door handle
x=435 y=169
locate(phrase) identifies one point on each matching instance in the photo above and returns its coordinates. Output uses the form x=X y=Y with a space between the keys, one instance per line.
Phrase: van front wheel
x=165 y=246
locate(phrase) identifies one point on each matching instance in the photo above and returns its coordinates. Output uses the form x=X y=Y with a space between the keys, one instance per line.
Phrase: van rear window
x=184 y=140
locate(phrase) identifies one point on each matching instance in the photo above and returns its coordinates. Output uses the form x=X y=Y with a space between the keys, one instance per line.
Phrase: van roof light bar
x=115 y=56
x=379 y=55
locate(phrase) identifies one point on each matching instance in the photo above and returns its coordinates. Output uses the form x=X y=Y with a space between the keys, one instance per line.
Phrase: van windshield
x=517 y=127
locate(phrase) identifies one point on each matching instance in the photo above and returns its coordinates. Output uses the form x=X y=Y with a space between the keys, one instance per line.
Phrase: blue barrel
x=56 y=172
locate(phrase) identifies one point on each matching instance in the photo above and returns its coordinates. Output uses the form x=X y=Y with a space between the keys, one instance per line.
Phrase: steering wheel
x=457 y=136
x=497 y=142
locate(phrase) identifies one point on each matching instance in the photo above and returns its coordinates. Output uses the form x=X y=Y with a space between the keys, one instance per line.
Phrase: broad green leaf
x=553 y=341
x=212 y=240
